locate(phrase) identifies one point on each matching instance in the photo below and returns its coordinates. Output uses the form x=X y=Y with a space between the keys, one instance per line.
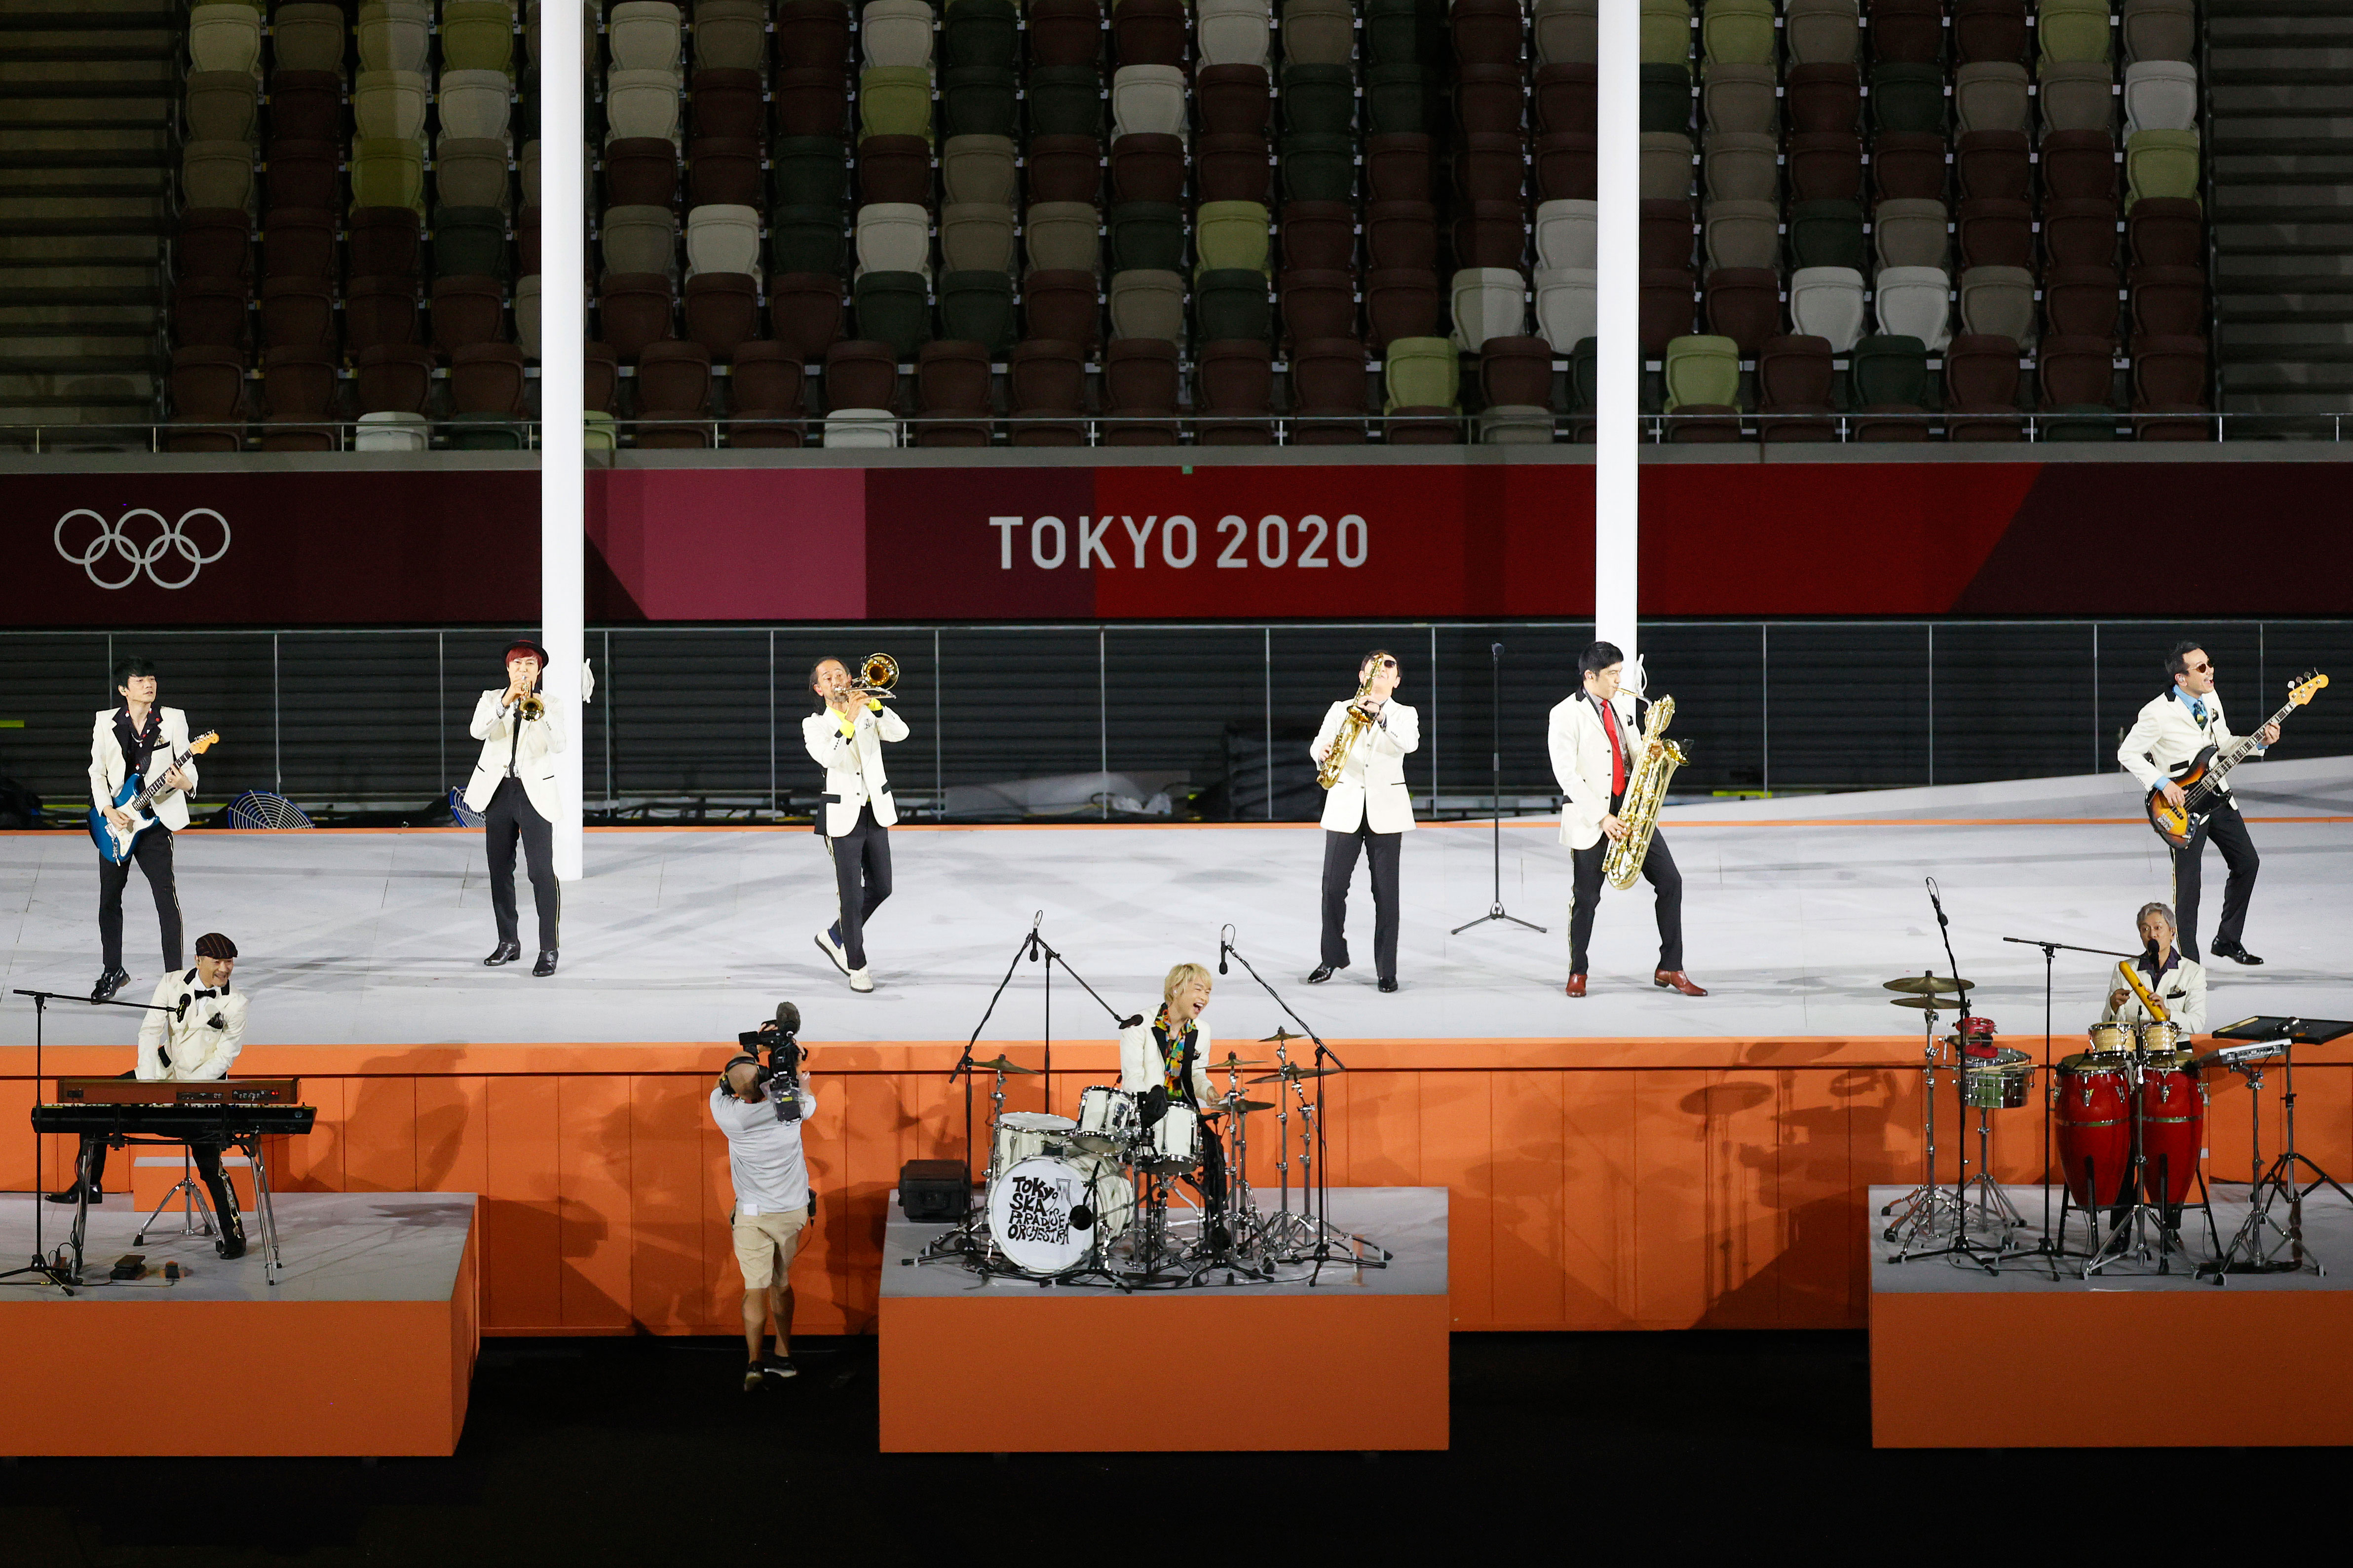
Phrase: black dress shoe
x=546 y=964
x=109 y=982
x=2234 y=952
x=73 y=1195
x=505 y=953
x=1388 y=982
x=1324 y=972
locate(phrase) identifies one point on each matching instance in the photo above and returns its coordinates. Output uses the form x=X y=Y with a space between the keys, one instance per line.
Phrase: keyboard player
x=197 y=1036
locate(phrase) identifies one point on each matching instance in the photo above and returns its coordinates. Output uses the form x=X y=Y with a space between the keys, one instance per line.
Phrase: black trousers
x=861 y=879
x=153 y=854
x=1380 y=851
x=205 y=1156
x=512 y=817
x=1585 y=899
x=2228 y=829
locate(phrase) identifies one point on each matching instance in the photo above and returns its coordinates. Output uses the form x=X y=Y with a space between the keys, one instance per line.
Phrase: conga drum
x=2094 y=1111
x=2172 y=1128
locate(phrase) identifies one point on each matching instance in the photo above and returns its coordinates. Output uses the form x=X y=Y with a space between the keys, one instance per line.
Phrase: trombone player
x=845 y=738
x=1360 y=755
x=1593 y=735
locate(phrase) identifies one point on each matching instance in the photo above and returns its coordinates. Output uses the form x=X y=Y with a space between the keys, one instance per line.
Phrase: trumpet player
x=514 y=789
x=1592 y=734
x=845 y=738
x=1360 y=755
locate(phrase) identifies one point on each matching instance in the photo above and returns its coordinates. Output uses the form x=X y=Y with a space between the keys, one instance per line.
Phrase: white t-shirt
x=763 y=1154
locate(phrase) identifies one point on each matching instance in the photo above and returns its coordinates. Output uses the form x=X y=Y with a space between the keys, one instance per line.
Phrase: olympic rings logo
x=113 y=542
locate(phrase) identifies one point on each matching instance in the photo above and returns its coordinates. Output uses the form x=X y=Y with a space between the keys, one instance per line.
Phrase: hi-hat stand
x=1495 y=911
x=56 y=1270
x=2283 y=1182
x=1917 y=1213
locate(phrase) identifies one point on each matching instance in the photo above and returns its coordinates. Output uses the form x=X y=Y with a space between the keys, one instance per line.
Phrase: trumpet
x=531 y=707
x=876 y=676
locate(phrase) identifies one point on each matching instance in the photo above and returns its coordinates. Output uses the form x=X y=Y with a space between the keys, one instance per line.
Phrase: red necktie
x=1616 y=749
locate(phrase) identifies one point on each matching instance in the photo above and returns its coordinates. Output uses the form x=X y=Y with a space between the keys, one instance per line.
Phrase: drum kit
x=1100 y=1198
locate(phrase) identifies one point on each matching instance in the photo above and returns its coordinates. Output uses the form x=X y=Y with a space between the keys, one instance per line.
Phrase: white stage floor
x=1794 y=910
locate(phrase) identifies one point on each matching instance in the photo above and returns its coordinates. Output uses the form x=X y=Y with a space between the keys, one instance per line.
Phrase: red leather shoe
x=1676 y=980
x=1576 y=986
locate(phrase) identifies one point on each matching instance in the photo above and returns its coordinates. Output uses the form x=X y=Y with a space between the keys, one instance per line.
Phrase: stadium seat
x=1743 y=304
x=296 y=244
x=2167 y=232
x=1234 y=394
x=860 y=429
x=1889 y=374
x=1147 y=167
x=225 y=106
x=812 y=33
x=1319 y=234
x=1908 y=165
x=952 y=389
x=1318 y=303
x=1488 y=302
x=893 y=308
x=1234 y=32
x=2160 y=30
x=478 y=35
x=1667 y=230
x=1794 y=379
x=1402 y=99
x=979 y=101
x=1667 y=166
x=303 y=174
x=1405 y=234
x=1232 y=167
x=472 y=173
x=1232 y=235
x=1702 y=375
x=723 y=239
x=641 y=103
x=889 y=169
x=1150 y=99
x=1995 y=164
x=1907 y=98
x=1999 y=301
x=1064 y=32
x=1231 y=304
x=1990 y=29
x=214 y=242
x=807 y=171
x=306 y=37
x=225 y=37
x=1995 y=233
x=805 y=311
x=1981 y=378
x=1046 y=393
x=1826 y=303
x=526 y=315
x=2080 y=232
x=2076 y=374
x=2073 y=30
x=675 y=384
x=208 y=384
x=1736 y=167
x=1328 y=389
x=1421 y=379
x=896 y=33
x=975 y=238
x=978 y=170
x=724 y=171
x=1234 y=100
x=1400 y=303
x=633 y=309
x=1490 y=234
x=722 y=311
x=1061 y=306
x=1062 y=236
x=1738 y=234
x=1667 y=307
x=2084 y=302
x=767 y=397
x=488 y=378
x=1736 y=32
x=393 y=378
x=892 y=101
x=1568 y=32
x=726 y=103
x=1666 y=100
x=807 y=239
x=2168 y=374
x=1744 y=98
x=393 y=35
x=1149 y=31
x=978 y=307
x=1064 y=100
x=381 y=310
x=210 y=312
x=1827 y=234
x=2075 y=95
x=2160 y=164
x=1515 y=372
x=305 y=106
x=643 y=35
x=217 y=175
x=2160 y=95
x=1567 y=233
x=731 y=34
x=1565 y=97
x=1911 y=234
x=1825 y=166
x=1991 y=95
x=1913 y=301
x=1148 y=303
x=600 y=377
x=298 y=313
x=1147 y=235
x=1666 y=32
x=1821 y=31
x=1140 y=383
x=1489 y=98
x=860 y=374
x=805 y=101
x=2168 y=301
x=892 y=237
x=1825 y=98
x=386 y=173
x=467 y=309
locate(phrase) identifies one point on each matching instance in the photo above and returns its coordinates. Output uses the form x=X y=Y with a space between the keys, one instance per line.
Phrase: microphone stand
x=2045 y=1245
x=1330 y=1245
x=42 y=1267
x=1495 y=911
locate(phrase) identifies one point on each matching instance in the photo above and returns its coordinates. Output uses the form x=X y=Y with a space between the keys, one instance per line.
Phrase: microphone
x=1035 y=921
x=1225 y=946
x=180 y=1010
x=1938 y=902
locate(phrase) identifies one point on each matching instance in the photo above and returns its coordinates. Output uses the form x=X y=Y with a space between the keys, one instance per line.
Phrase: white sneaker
x=861 y=980
x=832 y=949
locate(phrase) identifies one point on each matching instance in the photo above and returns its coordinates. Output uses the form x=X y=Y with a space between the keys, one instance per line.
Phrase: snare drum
x=1106 y=1120
x=1175 y=1142
x=1025 y=1134
x=2110 y=1039
x=2166 y=1039
x=2094 y=1115
x=1999 y=1084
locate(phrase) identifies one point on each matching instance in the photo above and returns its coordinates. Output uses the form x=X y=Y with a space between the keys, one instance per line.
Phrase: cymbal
x=1293 y=1072
x=1245 y=1106
x=1940 y=1003
x=1928 y=984
x=1001 y=1064
x=1280 y=1035
x=1232 y=1063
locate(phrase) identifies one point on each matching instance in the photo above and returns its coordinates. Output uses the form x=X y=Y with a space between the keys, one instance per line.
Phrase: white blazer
x=1581 y=761
x=1372 y=784
x=203 y=1042
x=108 y=769
x=2165 y=736
x=2183 y=992
x=854 y=775
x=494 y=726
x=1139 y=1061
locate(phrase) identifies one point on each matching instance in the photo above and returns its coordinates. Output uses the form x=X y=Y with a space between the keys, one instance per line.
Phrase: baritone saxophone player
x=1593 y=736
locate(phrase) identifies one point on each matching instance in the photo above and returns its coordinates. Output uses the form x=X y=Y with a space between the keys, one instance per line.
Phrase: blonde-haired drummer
x=1165 y=1063
x=2175 y=979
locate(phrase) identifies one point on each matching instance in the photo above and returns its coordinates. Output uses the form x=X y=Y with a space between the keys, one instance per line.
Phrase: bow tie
x=207 y=992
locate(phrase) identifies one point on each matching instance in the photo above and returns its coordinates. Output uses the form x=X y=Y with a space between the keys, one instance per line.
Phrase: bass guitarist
x=123 y=741
x=2171 y=730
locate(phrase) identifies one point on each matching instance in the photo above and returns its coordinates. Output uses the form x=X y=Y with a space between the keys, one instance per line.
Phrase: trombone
x=876 y=676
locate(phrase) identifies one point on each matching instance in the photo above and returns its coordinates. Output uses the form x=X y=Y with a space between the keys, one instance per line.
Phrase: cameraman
x=759 y=1103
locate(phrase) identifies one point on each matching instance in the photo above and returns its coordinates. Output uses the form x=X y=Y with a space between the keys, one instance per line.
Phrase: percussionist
x=2176 y=982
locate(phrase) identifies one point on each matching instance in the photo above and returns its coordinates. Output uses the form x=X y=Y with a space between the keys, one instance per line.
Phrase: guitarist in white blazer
x=845 y=738
x=123 y=741
x=2172 y=730
x=1592 y=736
x=514 y=787
x=1370 y=809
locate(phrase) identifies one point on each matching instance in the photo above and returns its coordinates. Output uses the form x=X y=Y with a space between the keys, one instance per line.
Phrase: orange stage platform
x=365 y=1346
x=1358 y=1361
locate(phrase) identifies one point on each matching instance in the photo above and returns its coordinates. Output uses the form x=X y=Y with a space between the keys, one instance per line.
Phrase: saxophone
x=1352 y=727
x=1646 y=791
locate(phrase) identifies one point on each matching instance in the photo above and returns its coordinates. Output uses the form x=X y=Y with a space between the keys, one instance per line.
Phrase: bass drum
x=1044 y=1213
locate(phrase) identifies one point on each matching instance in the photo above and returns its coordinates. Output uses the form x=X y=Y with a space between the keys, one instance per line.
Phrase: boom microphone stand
x=1330 y=1245
x=1496 y=779
x=2044 y=1245
x=42 y=1266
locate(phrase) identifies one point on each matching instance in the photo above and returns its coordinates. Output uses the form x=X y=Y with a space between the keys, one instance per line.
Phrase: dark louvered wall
x=686 y=712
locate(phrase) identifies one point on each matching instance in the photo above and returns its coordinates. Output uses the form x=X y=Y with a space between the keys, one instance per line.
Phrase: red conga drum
x=2095 y=1116
x=2172 y=1128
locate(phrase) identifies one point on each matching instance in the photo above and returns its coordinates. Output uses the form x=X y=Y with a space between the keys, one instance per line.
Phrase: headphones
x=726 y=1088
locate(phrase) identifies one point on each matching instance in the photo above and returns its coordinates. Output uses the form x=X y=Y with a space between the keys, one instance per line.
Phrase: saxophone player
x=1370 y=809
x=1592 y=734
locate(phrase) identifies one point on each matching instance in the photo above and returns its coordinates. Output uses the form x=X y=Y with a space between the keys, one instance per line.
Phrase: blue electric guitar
x=136 y=800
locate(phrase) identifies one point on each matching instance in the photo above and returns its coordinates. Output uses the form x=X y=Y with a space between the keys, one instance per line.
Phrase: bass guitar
x=2201 y=776
x=136 y=800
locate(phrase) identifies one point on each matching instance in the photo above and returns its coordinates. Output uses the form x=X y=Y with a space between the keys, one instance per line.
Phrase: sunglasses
x=1385 y=663
x=2201 y=668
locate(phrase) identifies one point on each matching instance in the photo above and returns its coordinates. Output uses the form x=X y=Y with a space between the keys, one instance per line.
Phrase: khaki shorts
x=765 y=1244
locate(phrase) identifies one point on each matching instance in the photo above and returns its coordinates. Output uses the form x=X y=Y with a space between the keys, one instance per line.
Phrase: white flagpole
x=1618 y=364
x=562 y=541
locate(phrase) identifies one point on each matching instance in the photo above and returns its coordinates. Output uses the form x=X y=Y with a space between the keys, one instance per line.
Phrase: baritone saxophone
x=1646 y=792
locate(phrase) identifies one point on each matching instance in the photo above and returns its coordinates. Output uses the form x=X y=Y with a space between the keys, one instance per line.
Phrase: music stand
x=1495 y=911
x=2282 y=1180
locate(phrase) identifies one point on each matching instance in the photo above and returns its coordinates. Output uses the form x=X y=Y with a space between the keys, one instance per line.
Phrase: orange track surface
x=1596 y=1184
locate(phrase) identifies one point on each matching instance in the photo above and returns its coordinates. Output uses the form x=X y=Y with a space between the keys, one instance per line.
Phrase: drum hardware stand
x=1322 y=1241
x=1495 y=911
x=1921 y=1205
x=2051 y=1245
x=1962 y=1245
x=56 y=1270
x=2282 y=1182
x=1993 y=1205
x=192 y=1204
